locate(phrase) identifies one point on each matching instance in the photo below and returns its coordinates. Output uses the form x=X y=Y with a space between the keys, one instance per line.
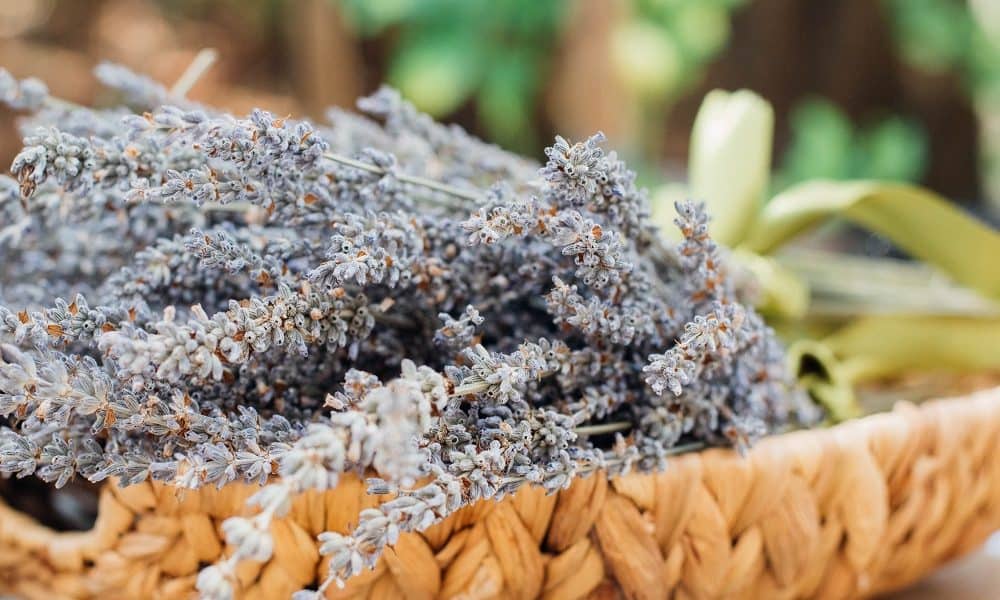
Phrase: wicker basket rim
x=856 y=509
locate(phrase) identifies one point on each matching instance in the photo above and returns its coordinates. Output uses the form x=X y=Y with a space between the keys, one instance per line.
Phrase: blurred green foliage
x=446 y=53
x=964 y=38
x=687 y=34
x=940 y=35
x=662 y=52
x=496 y=54
x=825 y=144
x=933 y=34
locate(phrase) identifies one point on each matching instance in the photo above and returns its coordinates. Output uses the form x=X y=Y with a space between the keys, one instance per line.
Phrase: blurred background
x=905 y=90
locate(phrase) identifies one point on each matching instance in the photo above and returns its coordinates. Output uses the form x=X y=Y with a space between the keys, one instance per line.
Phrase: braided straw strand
x=853 y=511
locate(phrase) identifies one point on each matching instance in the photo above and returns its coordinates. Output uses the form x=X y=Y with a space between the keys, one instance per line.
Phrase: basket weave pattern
x=851 y=511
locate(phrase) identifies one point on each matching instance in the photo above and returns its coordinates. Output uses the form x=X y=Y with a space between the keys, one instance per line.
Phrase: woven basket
x=862 y=508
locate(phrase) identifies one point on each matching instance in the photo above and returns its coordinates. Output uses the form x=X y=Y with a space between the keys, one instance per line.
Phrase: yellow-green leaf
x=916 y=220
x=730 y=160
x=881 y=346
x=843 y=286
x=780 y=292
x=820 y=373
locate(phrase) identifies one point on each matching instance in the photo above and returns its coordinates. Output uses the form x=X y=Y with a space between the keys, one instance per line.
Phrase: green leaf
x=844 y=286
x=919 y=222
x=701 y=29
x=505 y=100
x=984 y=62
x=933 y=34
x=370 y=18
x=437 y=71
x=818 y=371
x=782 y=293
x=821 y=144
x=646 y=59
x=895 y=149
x=882 y=346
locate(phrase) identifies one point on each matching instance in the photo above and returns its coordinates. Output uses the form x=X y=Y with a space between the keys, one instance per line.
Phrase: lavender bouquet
x=198 y=299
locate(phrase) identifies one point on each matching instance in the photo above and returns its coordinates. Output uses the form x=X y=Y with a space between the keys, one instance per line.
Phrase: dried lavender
x=136 y=89
x=26 y=94
x=456 y=314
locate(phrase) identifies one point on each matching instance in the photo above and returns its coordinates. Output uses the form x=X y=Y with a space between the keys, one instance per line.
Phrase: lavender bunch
x=384 y=296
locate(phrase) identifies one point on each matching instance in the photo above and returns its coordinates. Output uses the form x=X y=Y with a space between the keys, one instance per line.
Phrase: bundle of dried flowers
x=555 y=333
